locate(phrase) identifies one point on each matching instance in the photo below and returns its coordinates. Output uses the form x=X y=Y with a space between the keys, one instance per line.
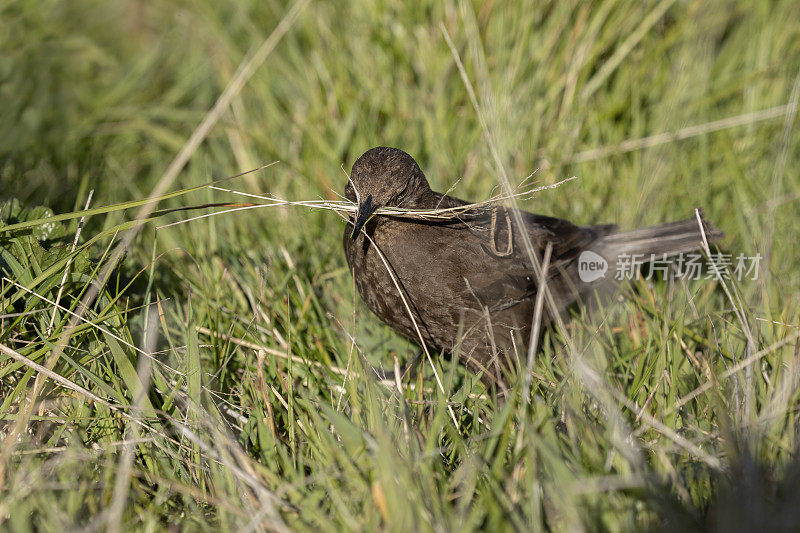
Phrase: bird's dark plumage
x=471 y=286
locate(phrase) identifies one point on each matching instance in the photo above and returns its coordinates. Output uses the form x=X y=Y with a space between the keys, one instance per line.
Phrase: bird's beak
x=364 y=213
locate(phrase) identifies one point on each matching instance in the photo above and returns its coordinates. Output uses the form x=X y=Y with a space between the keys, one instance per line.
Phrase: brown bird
x=469 y=281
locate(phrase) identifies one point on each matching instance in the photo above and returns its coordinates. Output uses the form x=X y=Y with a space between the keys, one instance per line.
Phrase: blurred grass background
x=203 y=431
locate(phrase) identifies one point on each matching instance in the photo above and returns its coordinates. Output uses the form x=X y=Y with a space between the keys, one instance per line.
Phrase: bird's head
x=383 y=177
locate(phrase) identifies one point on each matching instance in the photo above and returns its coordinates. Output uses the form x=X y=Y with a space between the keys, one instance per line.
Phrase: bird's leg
x=409 y=368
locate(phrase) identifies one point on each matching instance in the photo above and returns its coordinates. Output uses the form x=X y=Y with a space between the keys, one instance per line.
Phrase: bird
x=467 y=284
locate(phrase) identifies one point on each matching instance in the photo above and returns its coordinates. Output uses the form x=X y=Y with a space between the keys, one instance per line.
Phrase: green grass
x=160 y=410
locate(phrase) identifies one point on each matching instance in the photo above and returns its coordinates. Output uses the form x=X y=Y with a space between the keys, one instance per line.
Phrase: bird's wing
x=567 y=239
x=515 y=280
x=500 y=273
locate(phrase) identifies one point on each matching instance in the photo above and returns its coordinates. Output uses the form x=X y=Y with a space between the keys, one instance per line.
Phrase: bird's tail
x=672 y=238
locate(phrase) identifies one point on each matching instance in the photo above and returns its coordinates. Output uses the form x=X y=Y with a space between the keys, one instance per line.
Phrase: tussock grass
x=222 y=374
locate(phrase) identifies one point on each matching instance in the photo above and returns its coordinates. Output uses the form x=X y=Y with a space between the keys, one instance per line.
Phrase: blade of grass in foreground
x=121 y=206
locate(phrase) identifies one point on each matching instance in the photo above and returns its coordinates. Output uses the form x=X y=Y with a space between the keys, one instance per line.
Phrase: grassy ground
x=222 y=377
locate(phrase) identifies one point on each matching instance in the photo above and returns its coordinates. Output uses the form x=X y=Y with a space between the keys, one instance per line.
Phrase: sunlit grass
x=227 y=376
